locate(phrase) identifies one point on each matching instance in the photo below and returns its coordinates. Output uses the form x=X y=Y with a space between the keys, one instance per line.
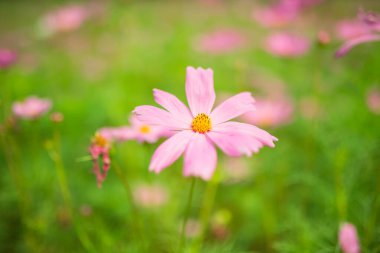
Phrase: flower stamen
x=145 y=129
x=201 y=123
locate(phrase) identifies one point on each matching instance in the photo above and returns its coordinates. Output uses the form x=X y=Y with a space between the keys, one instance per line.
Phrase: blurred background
x=92 y=62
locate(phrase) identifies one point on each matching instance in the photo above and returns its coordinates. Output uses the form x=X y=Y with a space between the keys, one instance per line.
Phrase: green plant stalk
x=187 y=211
x=341 y=199
x=135 y=219
x=372 y=218
x=205 y=213
x=15 y=174
x=53 y=149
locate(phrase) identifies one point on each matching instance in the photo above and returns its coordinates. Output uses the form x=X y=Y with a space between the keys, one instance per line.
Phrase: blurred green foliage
x=323 y=171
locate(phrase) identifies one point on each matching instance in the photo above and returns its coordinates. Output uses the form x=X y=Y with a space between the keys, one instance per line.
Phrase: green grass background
x=322 y=172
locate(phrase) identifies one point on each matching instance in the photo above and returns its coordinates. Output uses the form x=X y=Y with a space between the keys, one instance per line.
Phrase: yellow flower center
x=100 y=140
x=145 y=129
x=201 y=123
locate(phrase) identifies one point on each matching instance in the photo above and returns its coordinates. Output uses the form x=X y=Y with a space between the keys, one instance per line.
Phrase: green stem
x=205 y=213
x=53 y=149
x=187 y=211
x=135 y=219
x=341 y=200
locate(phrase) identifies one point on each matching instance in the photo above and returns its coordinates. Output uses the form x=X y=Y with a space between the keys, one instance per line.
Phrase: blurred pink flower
x=324 y=37
x=119 y=134
x=65 y=19
x=270 y=112
x=281 y=13
x=373 y=100
x=273 y=16
x=199 y=129
x=137 y=130
x=371 y=19
x=99 y=149
x=348 y=45
x=365 y=29
x=56 y=117
x=150 y=195
x=221 y=41
x=287 y=45
x=146 y=133
x=7 y=58
x=349 y=29
x=348 y=239
x=31 y=108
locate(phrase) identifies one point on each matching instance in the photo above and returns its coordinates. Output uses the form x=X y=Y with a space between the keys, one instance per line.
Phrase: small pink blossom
x=99 y=151
x=365 y=29
x=287 y=45
x=273 y=16
x=323 y=37
x=349 y=29
x=270 y=112
x=281 y=13
x=56 y=117
x=146 y=133
x=118 y=134
x=150 y=196
x=7 y=58
x=348 y=239
x=373 y=100
x=221 y=41
x=65 y=19
x=348 y=45
x=199 y=129
x=137 y=130
x=31 y=108
x=371 y=19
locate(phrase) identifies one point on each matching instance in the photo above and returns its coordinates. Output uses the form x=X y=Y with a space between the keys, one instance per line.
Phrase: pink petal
x=354 y=42
x=169 y=151
x=173 y=105
x=348 y=239
x=249 y=131
x=235 y=144
x=200 y=90
x=233 y=107
x=200 y=158
x=154 y=116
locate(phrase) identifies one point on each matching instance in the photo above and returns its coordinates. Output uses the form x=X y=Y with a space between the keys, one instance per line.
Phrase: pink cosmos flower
x=146 y=133
x=270 y=112
x=118 y=134
x=222 y=41
x=373 y=100
x=99 y=151
x=137 y=130
x=349 y=29
x=65 y=19
x=287 y=45
x=31 y=108
x=7 y=58
x=199 y=129
x=369 y=24
x=348 y=239
x=281 y=13
x=150 y=195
